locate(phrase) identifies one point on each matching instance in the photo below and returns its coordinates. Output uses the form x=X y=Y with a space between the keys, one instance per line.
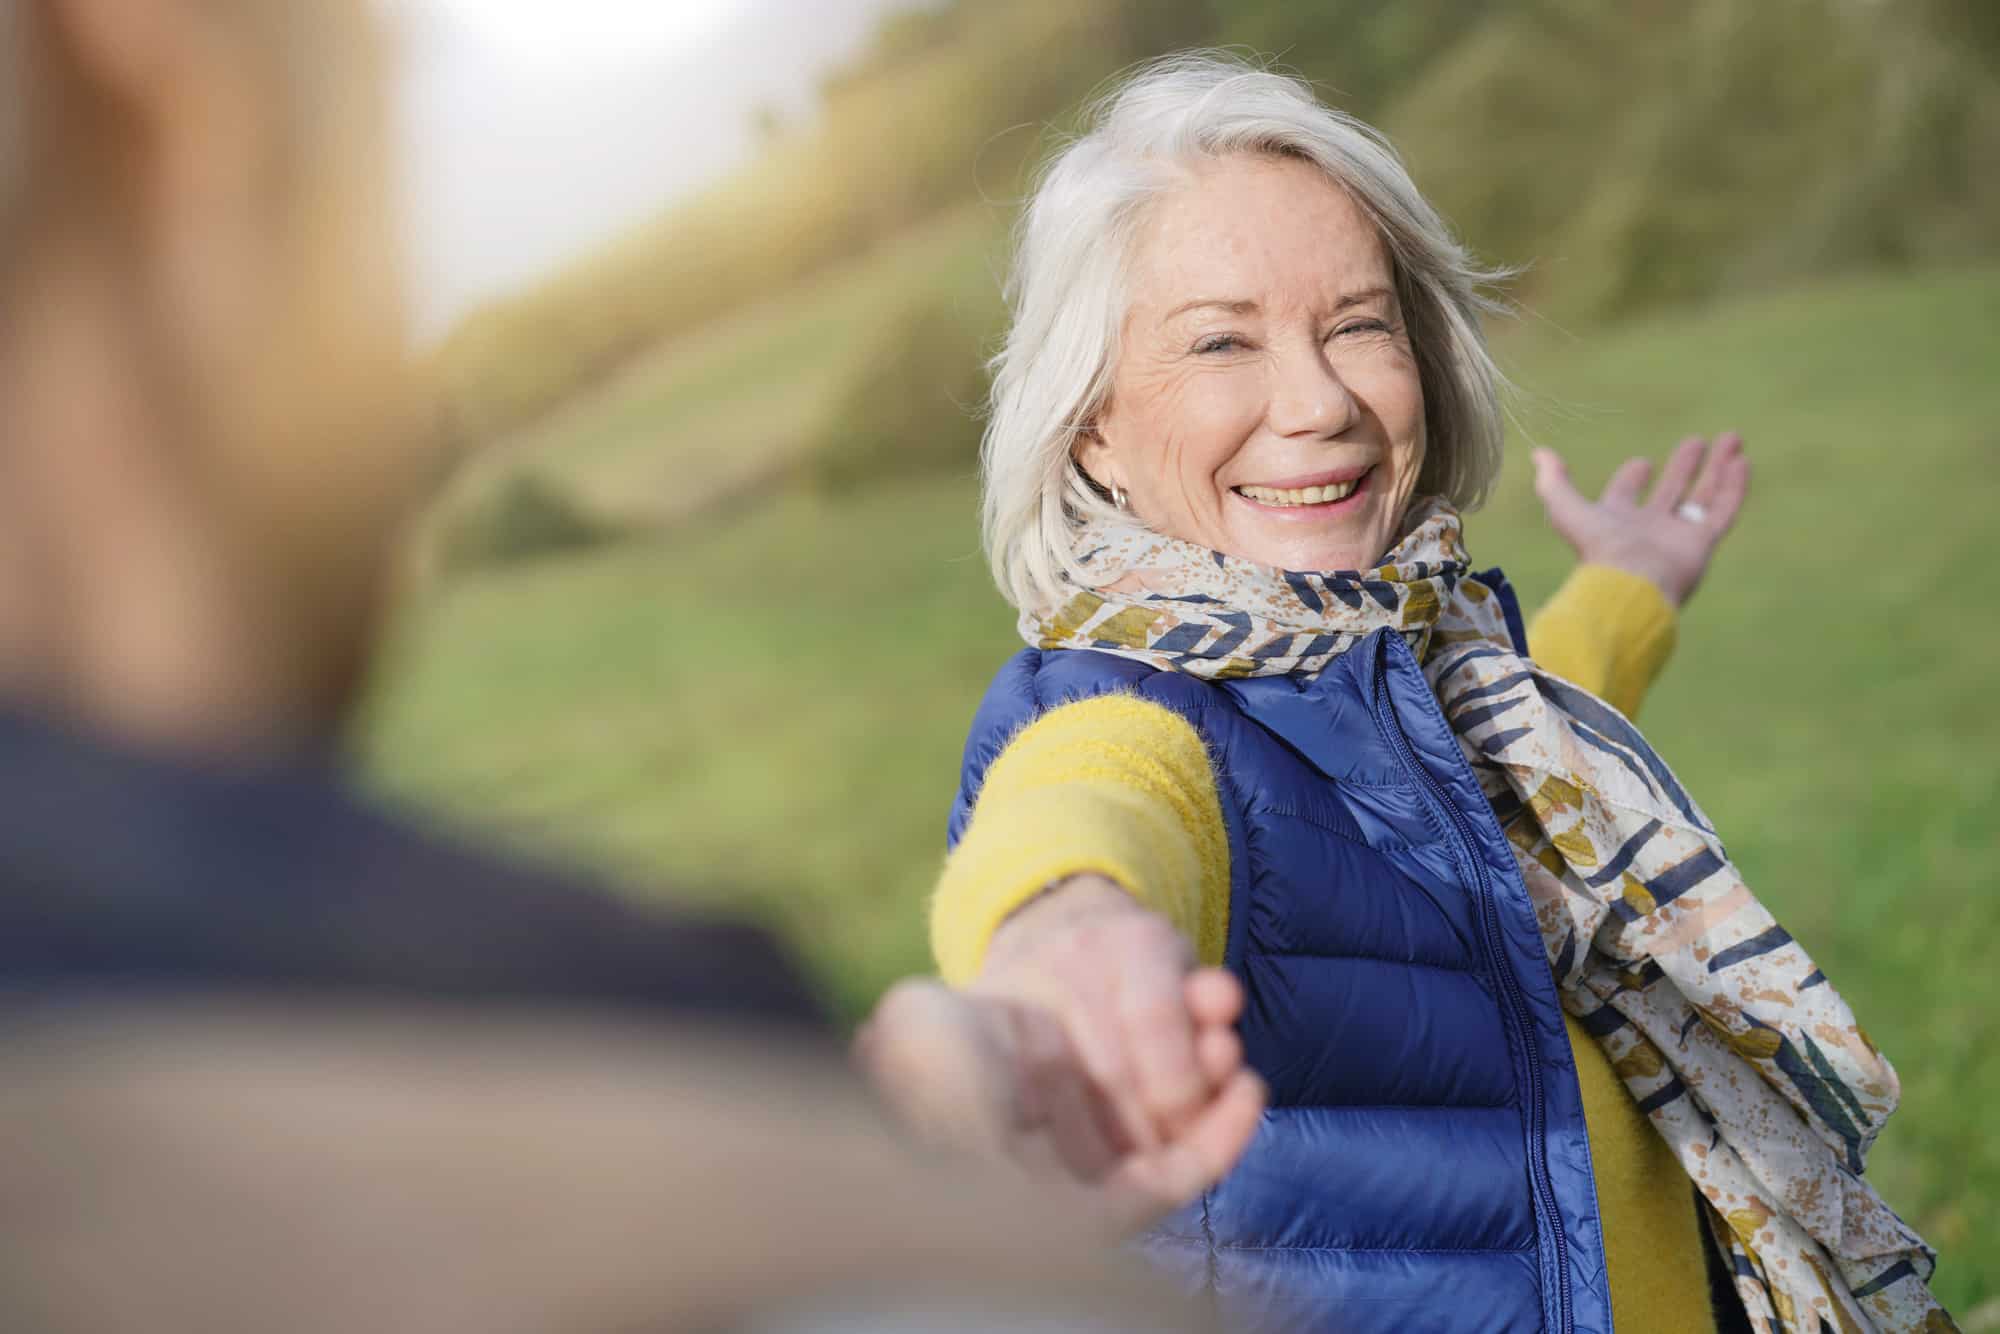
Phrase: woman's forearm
x=1113 y=786
x=1609 y=631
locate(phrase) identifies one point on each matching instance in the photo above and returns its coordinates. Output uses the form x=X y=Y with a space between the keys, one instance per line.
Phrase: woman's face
x=1266 y=403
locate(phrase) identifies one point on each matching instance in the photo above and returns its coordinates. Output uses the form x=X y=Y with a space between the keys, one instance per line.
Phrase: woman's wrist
x=1673 y=583
x=1062 y=903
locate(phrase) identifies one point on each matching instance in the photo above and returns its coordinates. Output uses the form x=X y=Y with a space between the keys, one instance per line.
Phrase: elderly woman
x=1275 y=751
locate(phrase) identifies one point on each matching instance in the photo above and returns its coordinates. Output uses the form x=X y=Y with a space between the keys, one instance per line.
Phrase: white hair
x=1067 y=300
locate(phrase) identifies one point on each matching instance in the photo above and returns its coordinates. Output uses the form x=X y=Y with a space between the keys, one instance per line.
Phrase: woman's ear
x=1097 y=459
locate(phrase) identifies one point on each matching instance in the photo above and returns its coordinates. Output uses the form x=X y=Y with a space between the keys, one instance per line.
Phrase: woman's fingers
x=1151 y=1184
x=1159 y=1030
x=1066 y=952
x=1567 y=508
x=1729 y=498
x=1679 y=474
x=1096 y=1028
x=1219 y=1053
x=1112 y=971
x=945 y=1064
x=1724 y=481
x=1002 y=1076
x=1214 y=996
x=1714 y=463
x=989 y=1076
x=1062 y=1117
x=1628 y=484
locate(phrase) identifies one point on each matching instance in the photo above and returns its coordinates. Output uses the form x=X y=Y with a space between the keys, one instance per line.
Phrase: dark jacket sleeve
x=125 y=872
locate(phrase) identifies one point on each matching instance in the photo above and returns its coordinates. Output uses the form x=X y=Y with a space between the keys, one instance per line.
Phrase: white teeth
x=1307 y=495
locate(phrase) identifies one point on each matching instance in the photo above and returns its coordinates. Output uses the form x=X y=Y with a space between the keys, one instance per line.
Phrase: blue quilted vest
x=1424 y=1164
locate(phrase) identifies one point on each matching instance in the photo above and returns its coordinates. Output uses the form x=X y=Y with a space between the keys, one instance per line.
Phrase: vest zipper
x=1548 y=1219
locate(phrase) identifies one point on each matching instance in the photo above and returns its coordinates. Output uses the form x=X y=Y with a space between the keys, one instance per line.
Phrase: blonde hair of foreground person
x=208 y=1171
x=204 y=465
x=204 y=405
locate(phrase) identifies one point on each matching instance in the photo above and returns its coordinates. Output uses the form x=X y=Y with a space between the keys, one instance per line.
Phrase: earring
x=1118 y=498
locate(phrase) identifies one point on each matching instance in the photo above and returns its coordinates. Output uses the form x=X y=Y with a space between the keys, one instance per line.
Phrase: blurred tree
x=526 y=515
x=1362 y=52
x=913 y=405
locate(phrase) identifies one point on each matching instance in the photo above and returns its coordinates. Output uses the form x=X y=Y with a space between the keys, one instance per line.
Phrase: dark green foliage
x=1640 y=156
x=526 y=515
x=1361 y=53
x=912 y=406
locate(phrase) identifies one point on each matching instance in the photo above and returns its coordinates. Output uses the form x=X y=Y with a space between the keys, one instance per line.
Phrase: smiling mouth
x=1303 y=497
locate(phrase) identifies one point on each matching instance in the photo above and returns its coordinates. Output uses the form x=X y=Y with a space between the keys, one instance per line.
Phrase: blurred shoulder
x=127 y=868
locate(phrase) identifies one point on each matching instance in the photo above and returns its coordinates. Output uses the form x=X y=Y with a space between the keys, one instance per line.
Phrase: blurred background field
x=704 y=602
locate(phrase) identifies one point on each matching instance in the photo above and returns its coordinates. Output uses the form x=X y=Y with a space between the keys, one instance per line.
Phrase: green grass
x=773 y=703
x=1831 y=702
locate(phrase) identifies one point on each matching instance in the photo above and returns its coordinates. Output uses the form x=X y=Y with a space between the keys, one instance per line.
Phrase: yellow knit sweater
x=1122 y=787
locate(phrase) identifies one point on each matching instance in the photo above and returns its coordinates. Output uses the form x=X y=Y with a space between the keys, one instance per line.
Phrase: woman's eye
x=1219 y=343
x=1362 y=326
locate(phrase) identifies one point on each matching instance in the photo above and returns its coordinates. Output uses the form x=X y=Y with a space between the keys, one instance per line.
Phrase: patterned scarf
x=1739 y=1050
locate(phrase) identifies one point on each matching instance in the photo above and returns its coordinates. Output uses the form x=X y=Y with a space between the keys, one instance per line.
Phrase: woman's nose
x=1308 y=397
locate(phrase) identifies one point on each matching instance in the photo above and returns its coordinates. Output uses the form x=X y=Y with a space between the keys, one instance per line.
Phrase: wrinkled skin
x=1264 y=347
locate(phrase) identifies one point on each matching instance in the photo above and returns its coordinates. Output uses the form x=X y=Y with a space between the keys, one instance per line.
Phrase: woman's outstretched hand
x=1669 y=536
x=1147 y=1024
x=1090 y=1050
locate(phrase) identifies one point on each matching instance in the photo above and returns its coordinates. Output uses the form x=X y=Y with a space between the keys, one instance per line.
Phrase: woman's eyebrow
x=1363 y=297
x=1239 y=306
x=1246 y=306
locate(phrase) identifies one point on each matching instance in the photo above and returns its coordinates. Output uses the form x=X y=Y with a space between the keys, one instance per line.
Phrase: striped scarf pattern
x=1740 y=1052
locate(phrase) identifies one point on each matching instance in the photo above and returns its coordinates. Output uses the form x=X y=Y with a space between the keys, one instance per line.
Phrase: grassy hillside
x=757 y=415
x=770 y=702
x=739 y=406
x=1636 y=155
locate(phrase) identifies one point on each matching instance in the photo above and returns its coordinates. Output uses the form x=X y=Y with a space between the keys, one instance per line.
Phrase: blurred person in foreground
x=1537 y=1057
x=273 y=1060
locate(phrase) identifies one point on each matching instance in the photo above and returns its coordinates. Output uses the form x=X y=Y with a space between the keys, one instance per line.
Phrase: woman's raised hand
x=1669 y=536
x=1090 y=1049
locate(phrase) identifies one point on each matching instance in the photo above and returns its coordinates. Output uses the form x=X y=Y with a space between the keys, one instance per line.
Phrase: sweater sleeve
x=1113 y=786
x=1608 y=630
